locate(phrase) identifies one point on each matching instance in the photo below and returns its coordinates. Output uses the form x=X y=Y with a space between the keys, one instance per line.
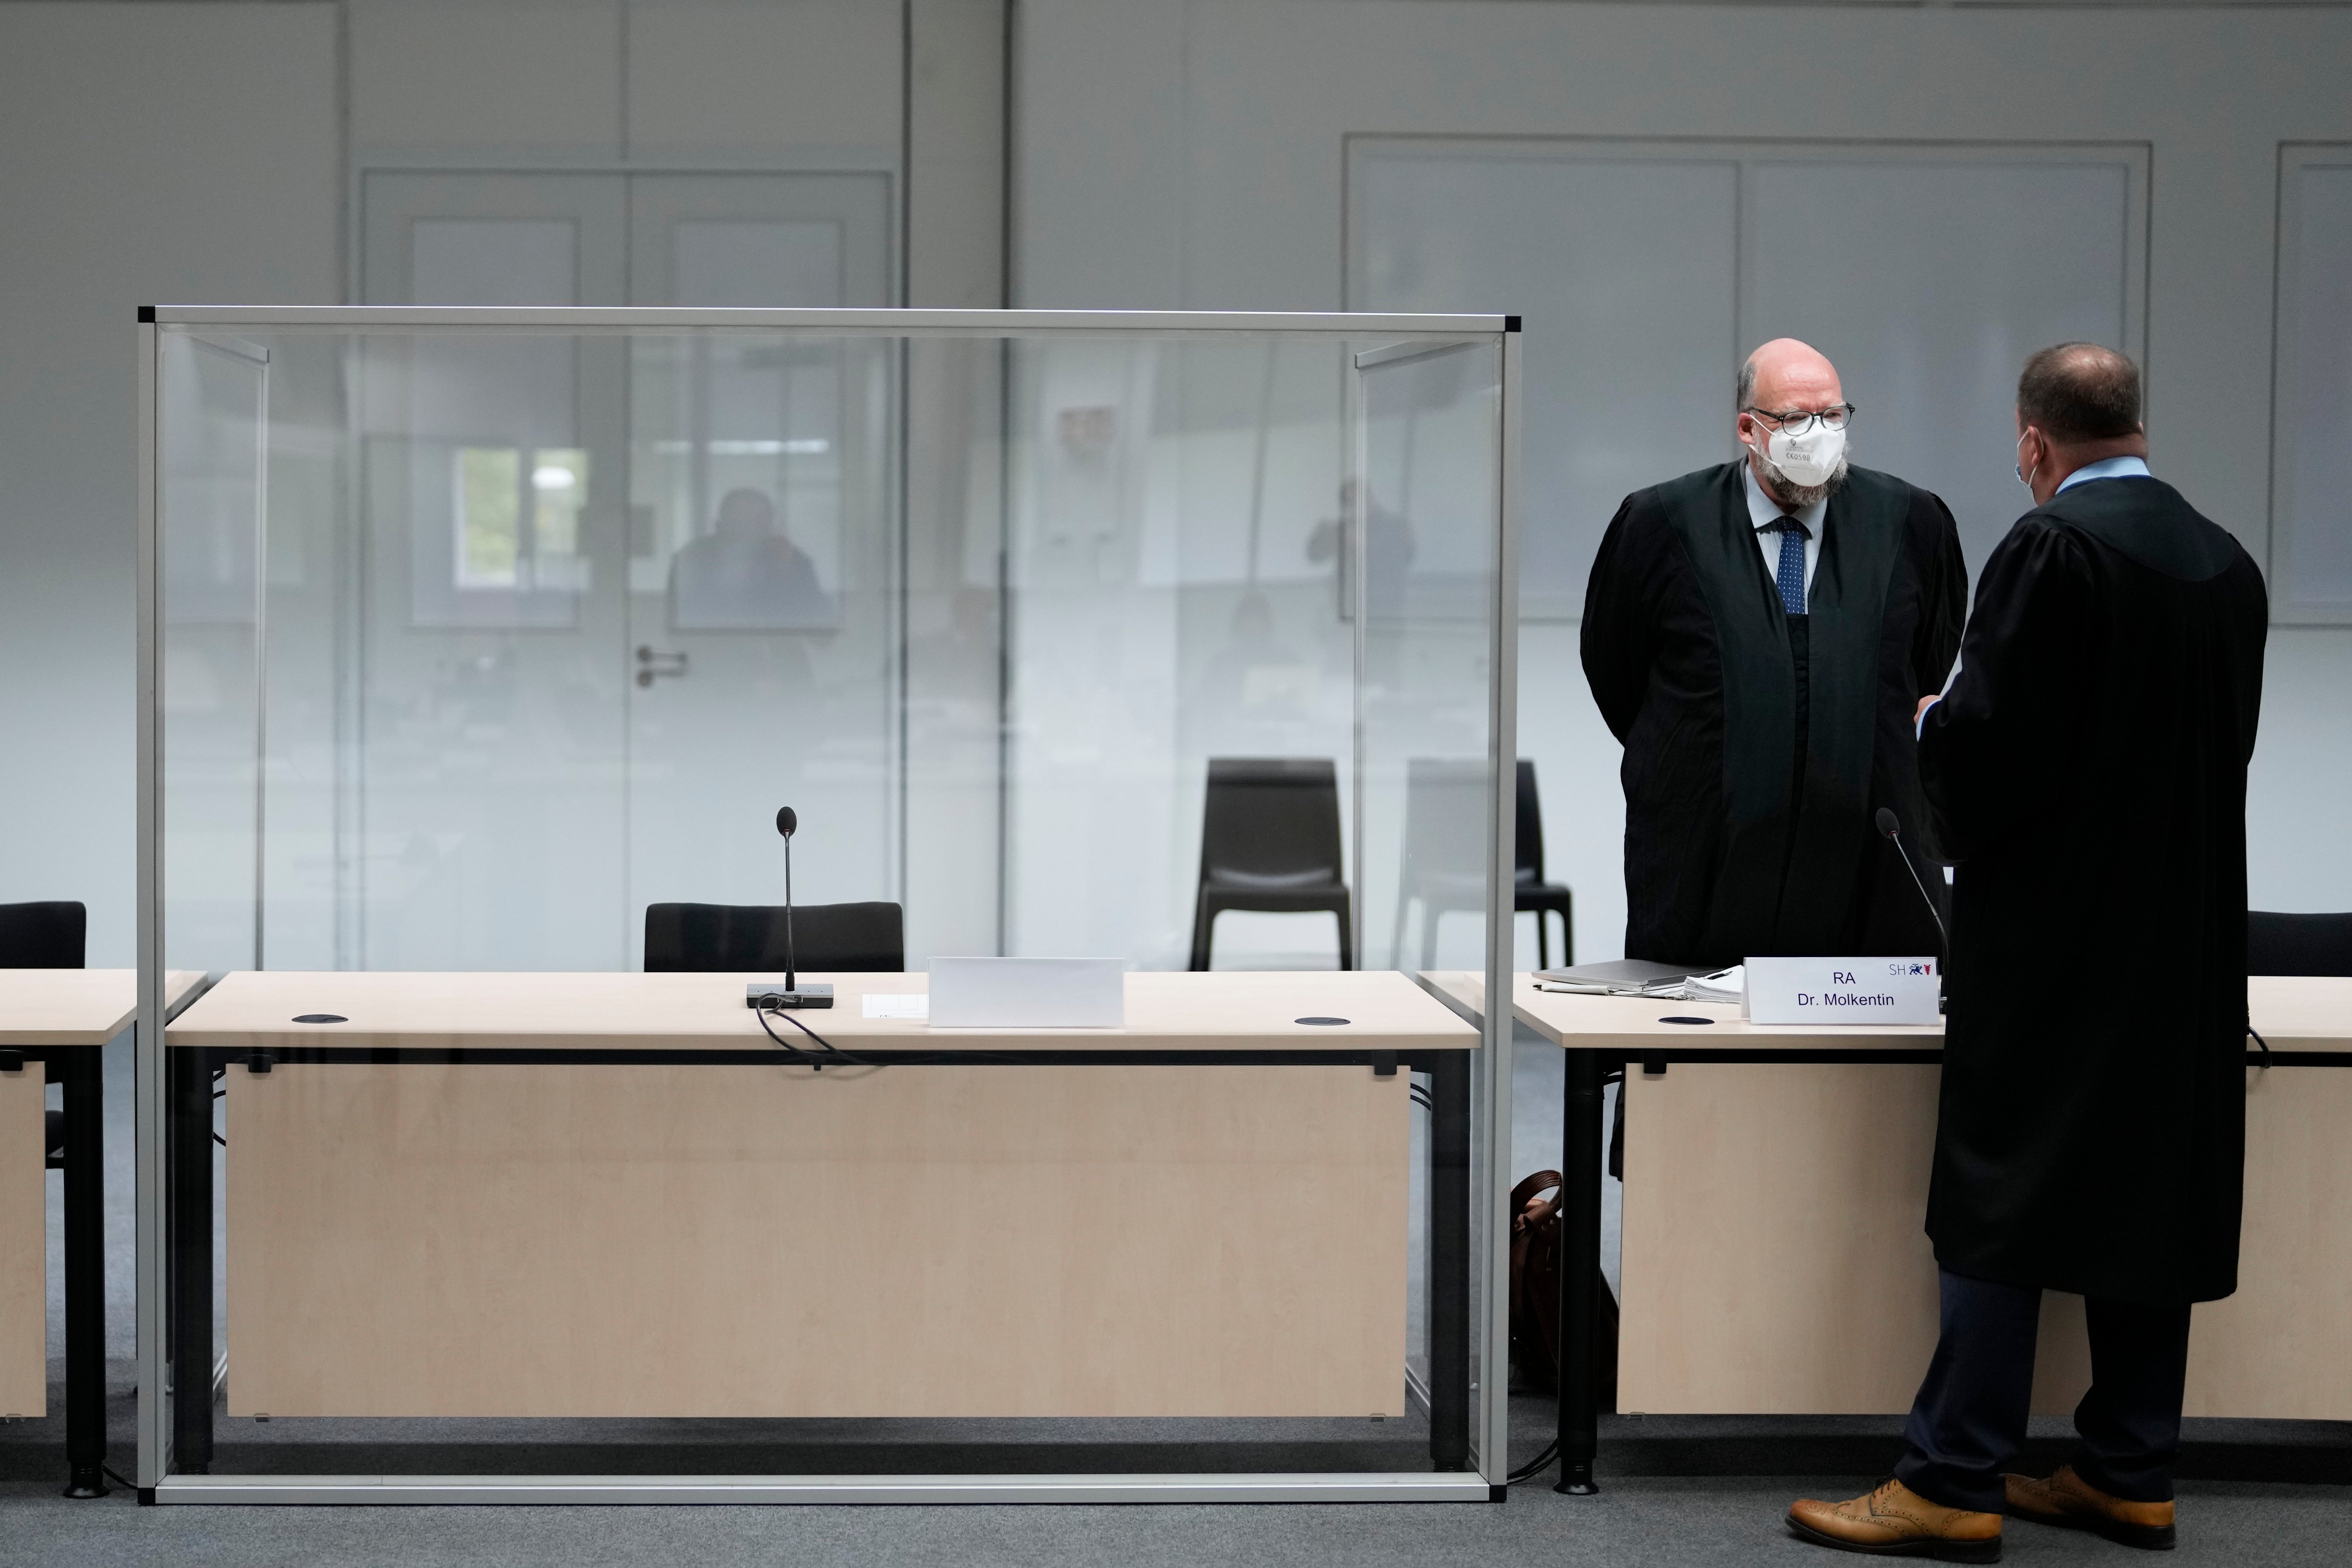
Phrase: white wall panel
x=2311 y=554
x=1927 y=279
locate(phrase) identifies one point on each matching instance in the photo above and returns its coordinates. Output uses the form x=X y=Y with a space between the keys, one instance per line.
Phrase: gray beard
x=1792 y=495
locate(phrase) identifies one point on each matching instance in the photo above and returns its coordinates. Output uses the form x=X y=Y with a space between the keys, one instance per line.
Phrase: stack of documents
x=1638 y=977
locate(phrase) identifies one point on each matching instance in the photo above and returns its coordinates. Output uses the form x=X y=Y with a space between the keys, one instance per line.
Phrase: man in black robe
x=1758 y=635
x=2087 y=771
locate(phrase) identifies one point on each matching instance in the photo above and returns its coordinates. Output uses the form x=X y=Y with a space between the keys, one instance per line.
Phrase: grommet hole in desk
x=1679 y=1018
x=321 y=1018
x=1318 y=1020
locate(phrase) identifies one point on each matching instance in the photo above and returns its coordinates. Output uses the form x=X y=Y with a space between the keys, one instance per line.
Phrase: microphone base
x=772 y=997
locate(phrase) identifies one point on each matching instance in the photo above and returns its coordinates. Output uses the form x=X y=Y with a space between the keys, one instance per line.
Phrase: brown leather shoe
x=1896 y=1521
x=2070 y=1502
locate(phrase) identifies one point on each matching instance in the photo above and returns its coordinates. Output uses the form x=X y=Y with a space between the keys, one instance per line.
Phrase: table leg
x=82 y=1074
x=1580 y=1268
x=190 y=1259
x=1449 y=1260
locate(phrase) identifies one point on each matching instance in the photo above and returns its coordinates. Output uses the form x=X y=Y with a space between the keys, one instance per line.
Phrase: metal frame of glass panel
x=1487 y=1088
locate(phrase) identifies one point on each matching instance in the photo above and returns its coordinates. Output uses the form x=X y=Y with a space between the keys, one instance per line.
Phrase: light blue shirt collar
x=1762 y=509
x=2107 y=468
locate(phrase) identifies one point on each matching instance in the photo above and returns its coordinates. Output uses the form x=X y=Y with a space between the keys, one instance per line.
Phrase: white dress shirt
x=2107 y=468
x=1765 y=512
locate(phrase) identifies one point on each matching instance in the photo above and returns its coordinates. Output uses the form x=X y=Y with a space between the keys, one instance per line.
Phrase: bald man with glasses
x=1759 y=635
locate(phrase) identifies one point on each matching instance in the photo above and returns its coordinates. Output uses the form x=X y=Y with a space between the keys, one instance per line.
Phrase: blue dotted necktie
x=1791 y=575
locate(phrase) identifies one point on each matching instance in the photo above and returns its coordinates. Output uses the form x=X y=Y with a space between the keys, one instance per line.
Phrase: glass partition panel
x=1426 y=487
x=211 y=488
x=577 y=1130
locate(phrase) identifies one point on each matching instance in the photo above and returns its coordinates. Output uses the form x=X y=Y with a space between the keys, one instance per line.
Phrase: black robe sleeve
x=1943 y=603
x=1618 y=640
x=2013 y=716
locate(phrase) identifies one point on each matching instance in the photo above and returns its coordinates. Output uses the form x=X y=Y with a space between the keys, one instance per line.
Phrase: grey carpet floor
x=1675 y=1491
x=1635 y=1523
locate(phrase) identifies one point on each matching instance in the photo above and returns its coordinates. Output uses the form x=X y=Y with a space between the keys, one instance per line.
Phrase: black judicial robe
x=2088 y=774
x=1759 y=746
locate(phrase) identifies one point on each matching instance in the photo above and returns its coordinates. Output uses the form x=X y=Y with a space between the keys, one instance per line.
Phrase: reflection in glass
x=746 y=574
x=517 y=516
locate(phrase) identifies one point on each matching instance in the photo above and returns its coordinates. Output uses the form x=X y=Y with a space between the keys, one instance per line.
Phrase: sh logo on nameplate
x=1841 y=991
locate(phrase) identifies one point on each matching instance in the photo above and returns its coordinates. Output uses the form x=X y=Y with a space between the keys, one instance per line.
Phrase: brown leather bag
x=1535 y=1296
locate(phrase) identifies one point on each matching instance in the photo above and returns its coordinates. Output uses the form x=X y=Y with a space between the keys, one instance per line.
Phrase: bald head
x=1786 y=374
x=2077 y=403
x=2080 y=392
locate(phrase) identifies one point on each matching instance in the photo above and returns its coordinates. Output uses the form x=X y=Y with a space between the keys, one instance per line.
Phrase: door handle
x=652 y=662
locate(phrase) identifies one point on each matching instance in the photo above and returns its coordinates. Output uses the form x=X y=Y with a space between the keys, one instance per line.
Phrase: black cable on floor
x=1538 y=1465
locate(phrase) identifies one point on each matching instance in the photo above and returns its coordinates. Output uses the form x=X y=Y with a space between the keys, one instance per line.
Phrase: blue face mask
x=2023 y=476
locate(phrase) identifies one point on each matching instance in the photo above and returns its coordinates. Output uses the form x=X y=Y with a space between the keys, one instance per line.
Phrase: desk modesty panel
x=45 y=1008
x=1774 y=1259
x=24 y=1243
x=1255 y=1011
x=572 y=1238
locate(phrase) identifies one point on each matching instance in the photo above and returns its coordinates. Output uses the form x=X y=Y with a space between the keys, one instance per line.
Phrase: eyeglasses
x=1797 y=421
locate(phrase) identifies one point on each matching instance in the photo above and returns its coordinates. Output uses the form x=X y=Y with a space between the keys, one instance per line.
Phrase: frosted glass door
x=491 y=833
x=763 y=628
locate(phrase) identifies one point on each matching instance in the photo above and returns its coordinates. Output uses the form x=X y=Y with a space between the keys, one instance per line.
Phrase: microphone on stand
x=793 y=994
x=787 y=819
x=1889 y=825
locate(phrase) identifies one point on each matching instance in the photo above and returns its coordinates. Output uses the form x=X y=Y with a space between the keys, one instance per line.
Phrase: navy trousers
x=1968 y=1422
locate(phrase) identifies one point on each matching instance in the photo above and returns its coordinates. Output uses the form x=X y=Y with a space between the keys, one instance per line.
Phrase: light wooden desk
x=62 y=1018
x=606 y=1195
x=1776 y=1181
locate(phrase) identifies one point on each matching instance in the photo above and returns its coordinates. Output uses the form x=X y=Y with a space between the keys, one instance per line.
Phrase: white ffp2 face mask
x=1807 y=460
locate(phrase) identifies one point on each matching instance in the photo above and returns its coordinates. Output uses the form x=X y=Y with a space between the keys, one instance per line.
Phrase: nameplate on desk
x=1835 y=991
x=1028 y=992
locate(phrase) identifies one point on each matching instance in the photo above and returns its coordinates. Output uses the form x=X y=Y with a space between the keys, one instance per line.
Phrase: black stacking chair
x=49 y=935
x=43 y=936
x=2298 y=944
x=1445 y=848
x=1270 y=842
x=1530 y=891
x=855 y=938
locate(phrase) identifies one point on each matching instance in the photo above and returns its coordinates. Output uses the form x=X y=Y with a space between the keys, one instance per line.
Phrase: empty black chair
x=49 y=935
x=855 y=938
x=1270 y=842
x=43 y=936
x=1530 y=891
x=1445 y=848
x=2298 y=944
